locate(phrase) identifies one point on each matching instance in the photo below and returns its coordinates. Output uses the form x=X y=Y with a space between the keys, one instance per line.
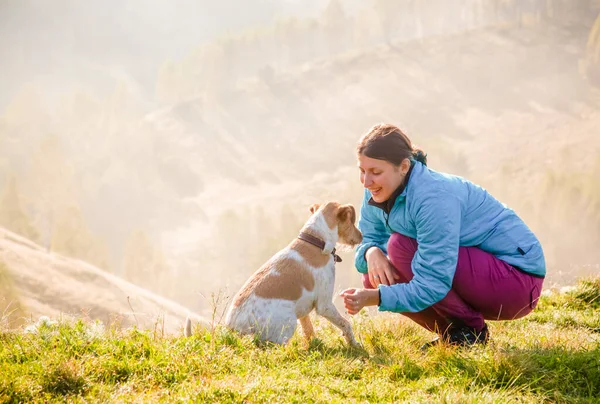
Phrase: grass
x=12 y=311
x=553 y=355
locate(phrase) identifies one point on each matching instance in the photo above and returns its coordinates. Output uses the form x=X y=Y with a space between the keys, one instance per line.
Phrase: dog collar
x=317 y=242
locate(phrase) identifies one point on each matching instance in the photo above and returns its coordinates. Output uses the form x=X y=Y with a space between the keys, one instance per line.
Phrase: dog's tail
x=187 y=328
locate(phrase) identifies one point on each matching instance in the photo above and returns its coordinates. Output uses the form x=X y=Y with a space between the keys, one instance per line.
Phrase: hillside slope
x=296 y=123
x=52 y=285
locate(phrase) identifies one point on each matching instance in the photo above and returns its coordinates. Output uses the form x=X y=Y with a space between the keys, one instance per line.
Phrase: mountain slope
x=51 y=285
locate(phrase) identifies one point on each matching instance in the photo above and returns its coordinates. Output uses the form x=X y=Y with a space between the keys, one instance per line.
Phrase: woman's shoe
x=467 y=336
x=461 y=336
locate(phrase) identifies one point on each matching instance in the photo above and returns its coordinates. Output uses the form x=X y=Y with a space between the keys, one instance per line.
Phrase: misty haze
x=178 y=145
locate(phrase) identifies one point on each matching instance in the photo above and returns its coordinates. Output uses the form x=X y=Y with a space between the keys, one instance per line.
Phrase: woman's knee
x=401 y=242
x=401 y=249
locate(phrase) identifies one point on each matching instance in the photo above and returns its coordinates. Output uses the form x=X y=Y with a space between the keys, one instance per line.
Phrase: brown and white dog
x=297 y=280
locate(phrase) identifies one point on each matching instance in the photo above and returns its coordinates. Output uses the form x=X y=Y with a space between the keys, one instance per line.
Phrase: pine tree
x=12 y=214
x=166 y=84
x=591 y=63
x=290 y=224
x=23 y=123
x=145 y=264
x=50 y=185
x=335 y=25
x=71 y=236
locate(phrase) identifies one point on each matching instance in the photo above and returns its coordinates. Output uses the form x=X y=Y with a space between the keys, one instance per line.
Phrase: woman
x=438 y=248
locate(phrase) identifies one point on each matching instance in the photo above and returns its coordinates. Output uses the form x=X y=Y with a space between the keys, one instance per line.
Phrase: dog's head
x=344 y=218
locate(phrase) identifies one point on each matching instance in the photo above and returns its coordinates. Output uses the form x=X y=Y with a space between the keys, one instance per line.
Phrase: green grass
x=553 y=355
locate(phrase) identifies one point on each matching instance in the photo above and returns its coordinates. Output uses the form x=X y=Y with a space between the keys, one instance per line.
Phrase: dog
x=297 y=280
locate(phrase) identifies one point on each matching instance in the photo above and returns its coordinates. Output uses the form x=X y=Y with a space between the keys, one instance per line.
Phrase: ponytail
x=420 y=156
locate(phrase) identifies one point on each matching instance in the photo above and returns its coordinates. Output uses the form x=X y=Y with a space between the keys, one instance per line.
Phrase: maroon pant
x=484 y=288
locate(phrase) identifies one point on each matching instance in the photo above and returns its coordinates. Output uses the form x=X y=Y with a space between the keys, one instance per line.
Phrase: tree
x=23 y=123
x=289 y=224
x=144 y=263
x=51 y=185
x=263 y=238
x=71 y=236
x=336 y=27
x=591 y=62
x=166 y=84
x=567 y=213
x=387 y=13
x=12 y=214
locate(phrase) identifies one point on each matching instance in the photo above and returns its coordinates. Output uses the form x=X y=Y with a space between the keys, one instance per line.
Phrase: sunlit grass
x=541 y=358
x=12 y=310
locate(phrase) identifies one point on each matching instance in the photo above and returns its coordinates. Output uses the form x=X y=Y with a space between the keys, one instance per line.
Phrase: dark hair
x=387 y=142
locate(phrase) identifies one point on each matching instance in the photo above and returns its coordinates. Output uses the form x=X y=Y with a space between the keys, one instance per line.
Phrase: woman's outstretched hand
x=356 y=299
x=380 y=269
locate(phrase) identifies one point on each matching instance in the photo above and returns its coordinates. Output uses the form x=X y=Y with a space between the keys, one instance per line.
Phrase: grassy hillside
x=11 y=309
x=54 y=285
x=550 y=356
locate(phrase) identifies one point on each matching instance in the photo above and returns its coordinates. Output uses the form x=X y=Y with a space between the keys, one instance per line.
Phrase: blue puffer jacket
x=443 y=212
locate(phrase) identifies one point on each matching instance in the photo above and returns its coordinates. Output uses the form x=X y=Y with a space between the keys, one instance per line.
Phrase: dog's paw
x=317 y=344
x=357 y=349
x=355 y=344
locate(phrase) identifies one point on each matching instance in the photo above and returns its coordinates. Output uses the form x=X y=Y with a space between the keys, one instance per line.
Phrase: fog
x=180 y=144
x=65 y=44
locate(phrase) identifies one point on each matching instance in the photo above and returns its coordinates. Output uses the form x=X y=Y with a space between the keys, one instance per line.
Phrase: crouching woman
x=437 y=248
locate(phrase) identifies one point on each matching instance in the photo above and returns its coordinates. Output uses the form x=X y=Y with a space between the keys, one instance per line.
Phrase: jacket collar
x=387 y=205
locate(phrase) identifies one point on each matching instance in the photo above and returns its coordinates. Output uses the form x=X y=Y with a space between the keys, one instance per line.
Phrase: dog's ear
x=347 y=212
x=314 y=208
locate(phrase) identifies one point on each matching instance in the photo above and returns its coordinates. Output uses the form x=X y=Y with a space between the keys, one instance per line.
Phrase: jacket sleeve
x=374 y=233
x=437 y=222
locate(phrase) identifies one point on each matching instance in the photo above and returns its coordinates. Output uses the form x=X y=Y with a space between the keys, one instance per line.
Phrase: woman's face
x=380 y=177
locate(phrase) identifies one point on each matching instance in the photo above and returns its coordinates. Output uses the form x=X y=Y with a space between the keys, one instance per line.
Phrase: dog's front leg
x=307 y=327
x=331 y=313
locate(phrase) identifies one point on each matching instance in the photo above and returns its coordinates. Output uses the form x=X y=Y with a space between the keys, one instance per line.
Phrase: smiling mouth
x=375 y=191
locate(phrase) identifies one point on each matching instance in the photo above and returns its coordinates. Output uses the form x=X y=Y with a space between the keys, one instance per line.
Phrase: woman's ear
x=405 y=166
x=314 y=208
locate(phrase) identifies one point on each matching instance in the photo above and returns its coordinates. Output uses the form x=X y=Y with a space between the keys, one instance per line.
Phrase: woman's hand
x=380 y=269
x=356 y=299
